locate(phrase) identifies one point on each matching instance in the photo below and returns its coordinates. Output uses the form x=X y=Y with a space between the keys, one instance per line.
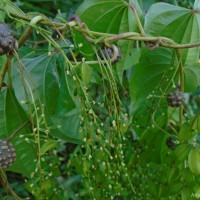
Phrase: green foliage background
x=101 y=130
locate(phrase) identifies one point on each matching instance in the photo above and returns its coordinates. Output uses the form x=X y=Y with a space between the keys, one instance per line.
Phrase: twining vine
x=93 y=37
x=105 y=40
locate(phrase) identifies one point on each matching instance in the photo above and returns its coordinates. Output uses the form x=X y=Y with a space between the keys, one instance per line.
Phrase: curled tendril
x=152 y=46
x=112 y=53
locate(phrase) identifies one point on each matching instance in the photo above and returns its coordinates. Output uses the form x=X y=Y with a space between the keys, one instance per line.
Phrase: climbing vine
x=103 y=104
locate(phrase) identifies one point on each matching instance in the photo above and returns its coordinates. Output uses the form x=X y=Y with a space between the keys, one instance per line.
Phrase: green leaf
x=2 y=16
x=173 y=188
x=185 y=133
x=54 y=92
x=146 y=4
x=152 y=138
x=148 y=74
x=2 y=61
x=3 y=130
x=130 y=55
x=86 y=72
x=60 y=108
x=197 y=5
x=192 y=77
x=36 y=69
x=153 y=189
x=185 y=193
x=181 y=152
x=50 y=144
x=180 y=24
x=12 y=117
x=96 y=14
x=10 y=7
x=188 y=176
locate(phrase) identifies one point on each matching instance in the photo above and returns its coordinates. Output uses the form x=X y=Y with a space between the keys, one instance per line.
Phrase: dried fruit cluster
x=175 y=99
x=7 y=154
x=7 y=41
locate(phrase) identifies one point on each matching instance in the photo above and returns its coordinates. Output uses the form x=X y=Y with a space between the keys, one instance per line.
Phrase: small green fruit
x=194 y=161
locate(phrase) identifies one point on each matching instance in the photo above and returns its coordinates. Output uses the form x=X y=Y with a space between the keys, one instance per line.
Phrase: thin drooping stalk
x=4 y=182
x=181 y=82
x=5 y=69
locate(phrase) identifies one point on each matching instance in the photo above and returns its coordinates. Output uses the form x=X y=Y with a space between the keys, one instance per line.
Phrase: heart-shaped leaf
x=192 y=77
x=12 y=117
x=10 y=7
x=60 y=108
x=185 y=133
x=197 y=5
x=111 y=16
x=54 y=91
x=148 y=74
x=180 y=24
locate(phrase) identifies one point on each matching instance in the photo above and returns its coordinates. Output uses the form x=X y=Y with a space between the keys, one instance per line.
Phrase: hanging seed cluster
x=175 y=99
x=7 y=41
x=7 y=154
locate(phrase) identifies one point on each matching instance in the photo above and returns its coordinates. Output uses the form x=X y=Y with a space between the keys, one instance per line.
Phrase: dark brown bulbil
x=175 y=99
x=170 y=143
x=7 y=154
x=7 y=41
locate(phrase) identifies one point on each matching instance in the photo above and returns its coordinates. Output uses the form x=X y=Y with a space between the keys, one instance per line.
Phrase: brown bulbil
x=7 y=42
x=7 y=154
x=175 y=99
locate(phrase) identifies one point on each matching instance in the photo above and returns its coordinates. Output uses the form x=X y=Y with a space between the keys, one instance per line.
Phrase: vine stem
x=28 y=31
x=5 y=69
x=132 y=7
x=161 y=41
